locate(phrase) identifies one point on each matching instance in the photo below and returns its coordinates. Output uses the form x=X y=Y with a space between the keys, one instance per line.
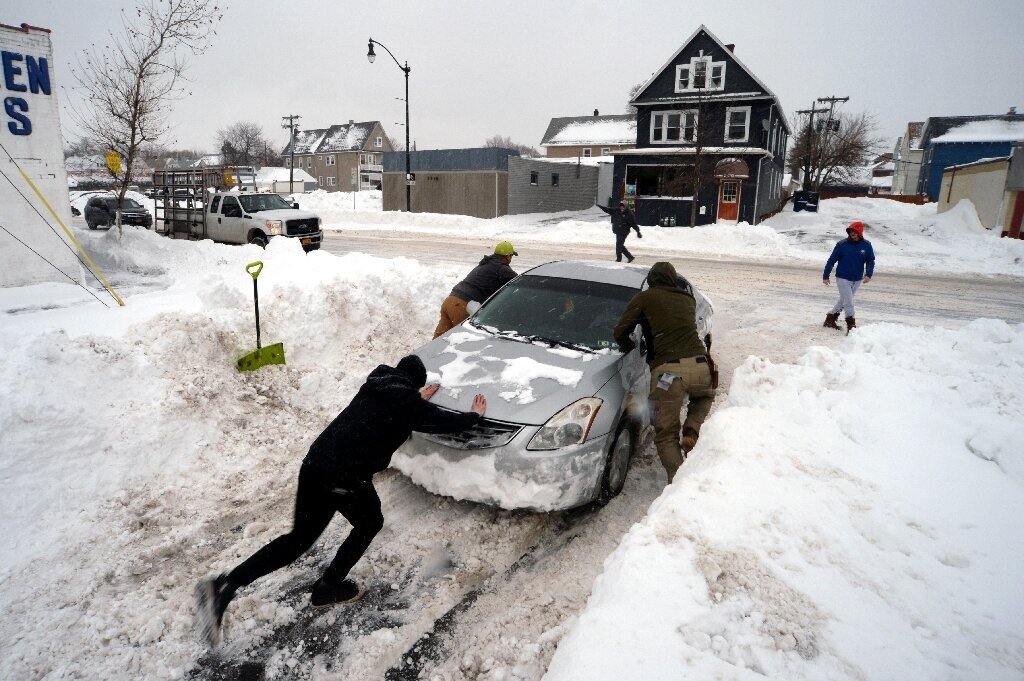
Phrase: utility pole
x=831 y=101
x=291 y=125
x=808 y=142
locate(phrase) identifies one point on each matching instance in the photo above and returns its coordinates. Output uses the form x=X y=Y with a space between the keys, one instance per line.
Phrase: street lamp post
x=408 y=169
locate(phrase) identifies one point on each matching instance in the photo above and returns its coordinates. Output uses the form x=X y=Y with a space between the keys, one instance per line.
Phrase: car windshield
x=558 y=310
x=254 y=203
x=129 y=204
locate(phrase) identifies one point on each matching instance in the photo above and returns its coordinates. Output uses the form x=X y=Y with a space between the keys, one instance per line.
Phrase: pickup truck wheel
x=617 y=464
x=258 y=239
x=92 y=225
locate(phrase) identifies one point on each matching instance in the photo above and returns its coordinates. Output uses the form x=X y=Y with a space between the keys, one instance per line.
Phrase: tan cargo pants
x=453 y=312
x=689 y=377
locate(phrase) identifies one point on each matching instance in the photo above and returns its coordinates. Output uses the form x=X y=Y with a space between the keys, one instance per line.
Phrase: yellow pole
x=92 y=266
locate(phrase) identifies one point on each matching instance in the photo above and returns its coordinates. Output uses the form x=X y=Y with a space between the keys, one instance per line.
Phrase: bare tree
x=505 y=142
x=633 y=92
x=242 y=144
x=837 y=152
x=398 y=144
x=129 y=84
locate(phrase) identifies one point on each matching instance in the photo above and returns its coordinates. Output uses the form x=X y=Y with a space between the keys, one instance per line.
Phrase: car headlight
x=568 y=427
x=275 y=226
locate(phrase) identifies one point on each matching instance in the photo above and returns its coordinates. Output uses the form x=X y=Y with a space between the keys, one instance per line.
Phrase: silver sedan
x=565 y=406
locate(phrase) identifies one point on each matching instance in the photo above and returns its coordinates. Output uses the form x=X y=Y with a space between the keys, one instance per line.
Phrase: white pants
x=847 y=289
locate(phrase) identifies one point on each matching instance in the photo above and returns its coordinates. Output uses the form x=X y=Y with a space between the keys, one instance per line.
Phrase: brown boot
x=689 y=440
x=830 y=321
x=851 y=324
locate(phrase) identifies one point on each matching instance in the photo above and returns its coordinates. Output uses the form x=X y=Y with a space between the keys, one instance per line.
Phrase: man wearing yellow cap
x=492 y=273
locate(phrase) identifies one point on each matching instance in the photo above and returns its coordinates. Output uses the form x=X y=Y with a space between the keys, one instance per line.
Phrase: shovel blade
x=261 y=357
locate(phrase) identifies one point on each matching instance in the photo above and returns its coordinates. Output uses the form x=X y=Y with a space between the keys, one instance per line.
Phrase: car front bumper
x=509 y=476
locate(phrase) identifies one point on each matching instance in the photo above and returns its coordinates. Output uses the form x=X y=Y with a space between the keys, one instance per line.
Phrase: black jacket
x=622 y=222
x=491 y=274
x=361 y=439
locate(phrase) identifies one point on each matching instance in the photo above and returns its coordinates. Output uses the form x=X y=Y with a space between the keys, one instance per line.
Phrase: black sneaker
x=326 y=594
x=212 y=598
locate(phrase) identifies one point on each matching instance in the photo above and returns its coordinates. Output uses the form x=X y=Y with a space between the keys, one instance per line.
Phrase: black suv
x=101 y=211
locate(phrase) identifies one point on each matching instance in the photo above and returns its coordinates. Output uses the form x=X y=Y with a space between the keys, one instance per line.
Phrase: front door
x=729 y=202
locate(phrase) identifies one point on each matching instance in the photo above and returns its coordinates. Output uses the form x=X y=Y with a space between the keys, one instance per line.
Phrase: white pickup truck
x=238 y=218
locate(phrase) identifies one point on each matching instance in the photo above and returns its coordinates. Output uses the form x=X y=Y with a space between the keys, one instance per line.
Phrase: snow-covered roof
x=882 y=182
x=980 y=162
x=348 y=137
x=678 y=151
x=582 y=130
x=582 y=160
x=208 y=160
x=279 y=174
x=985 y=131
x=306 y=141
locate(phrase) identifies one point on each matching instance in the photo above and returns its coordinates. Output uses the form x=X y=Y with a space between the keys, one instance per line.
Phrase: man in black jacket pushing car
x=337 y=477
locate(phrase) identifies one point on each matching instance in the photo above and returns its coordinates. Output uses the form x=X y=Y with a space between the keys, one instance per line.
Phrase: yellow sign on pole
x=114 y=162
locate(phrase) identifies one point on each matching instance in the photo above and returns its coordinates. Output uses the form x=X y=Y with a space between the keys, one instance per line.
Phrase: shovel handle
x=254 y=269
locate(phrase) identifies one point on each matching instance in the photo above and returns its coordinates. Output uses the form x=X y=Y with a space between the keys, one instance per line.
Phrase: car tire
x=258 y=239
x=616 y=466
x=92 y=225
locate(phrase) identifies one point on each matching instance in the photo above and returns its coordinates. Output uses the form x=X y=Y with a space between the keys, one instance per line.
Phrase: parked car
x=565 y=408
x=101 y=211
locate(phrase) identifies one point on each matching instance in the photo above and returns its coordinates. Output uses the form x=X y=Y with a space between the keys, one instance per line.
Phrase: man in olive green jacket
x=680 y=364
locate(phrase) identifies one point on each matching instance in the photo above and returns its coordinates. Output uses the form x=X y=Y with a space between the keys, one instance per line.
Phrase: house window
x=319 y=158
x=668 y=127
x=700 y=74
x=554 y=179
x=605 y=151
x=309 y=162
x=287 y=163
x=320 y=180
x=737 y=123
x=728 y=192
x=332 y=160
x=586 y=152
x=662 y=181
x=379 y=142
x=331 y=181
x=365 y=179
x=534 y=178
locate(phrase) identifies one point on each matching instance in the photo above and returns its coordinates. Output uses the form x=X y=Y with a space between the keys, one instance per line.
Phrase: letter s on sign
x=19 y=124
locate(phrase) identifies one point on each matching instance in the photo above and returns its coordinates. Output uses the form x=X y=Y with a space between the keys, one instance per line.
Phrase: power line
x=72 y=279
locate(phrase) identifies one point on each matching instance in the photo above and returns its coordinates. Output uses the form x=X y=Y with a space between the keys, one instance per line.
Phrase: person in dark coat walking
x=680 y=363
x=488 y=276
x=622 y=221
x=856 y=263
x=337 y=477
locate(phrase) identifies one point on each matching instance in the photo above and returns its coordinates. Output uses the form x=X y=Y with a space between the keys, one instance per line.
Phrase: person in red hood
x=854 y=260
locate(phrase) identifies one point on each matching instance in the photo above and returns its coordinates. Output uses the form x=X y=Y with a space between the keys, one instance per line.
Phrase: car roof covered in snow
x=619 y=274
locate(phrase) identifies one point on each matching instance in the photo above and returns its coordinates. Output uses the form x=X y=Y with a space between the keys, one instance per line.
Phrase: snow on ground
x=852 y=516
x=904 y=236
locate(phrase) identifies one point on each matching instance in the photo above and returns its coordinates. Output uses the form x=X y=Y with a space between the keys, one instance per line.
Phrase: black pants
x=620 y=247
x=316 y=502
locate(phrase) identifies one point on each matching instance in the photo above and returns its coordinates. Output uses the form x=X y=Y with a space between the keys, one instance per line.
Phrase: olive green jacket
x=668 y=315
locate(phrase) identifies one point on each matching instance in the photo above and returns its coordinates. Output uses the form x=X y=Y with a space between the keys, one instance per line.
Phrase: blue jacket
x=853 y=257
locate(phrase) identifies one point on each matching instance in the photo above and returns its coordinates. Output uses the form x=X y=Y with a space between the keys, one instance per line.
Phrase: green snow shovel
x=261 y=356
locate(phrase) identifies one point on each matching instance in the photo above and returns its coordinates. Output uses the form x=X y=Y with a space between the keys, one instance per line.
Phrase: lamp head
x=369 y=54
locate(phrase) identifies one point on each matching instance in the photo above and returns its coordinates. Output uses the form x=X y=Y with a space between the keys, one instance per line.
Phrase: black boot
x=851 y=324
x=326 y=593
x=212 y=598
x=830 y=321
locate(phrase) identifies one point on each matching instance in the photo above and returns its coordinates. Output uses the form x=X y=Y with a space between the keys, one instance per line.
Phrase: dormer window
x=700 y=74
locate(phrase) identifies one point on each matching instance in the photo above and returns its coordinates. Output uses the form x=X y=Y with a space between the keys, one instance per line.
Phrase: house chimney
x=596 y=113
x=731 y=47
x=351 y=122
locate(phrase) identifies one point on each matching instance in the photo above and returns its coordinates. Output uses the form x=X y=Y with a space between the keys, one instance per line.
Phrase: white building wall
x=983 y=185
x=30 y=133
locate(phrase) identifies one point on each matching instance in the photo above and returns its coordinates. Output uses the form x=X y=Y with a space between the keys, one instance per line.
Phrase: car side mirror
x=295 y=206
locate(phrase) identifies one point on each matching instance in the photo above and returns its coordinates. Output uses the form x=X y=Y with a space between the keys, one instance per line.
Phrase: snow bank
x=854 y=516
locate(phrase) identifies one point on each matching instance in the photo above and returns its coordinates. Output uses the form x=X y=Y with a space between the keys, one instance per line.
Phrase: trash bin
x=805 y=200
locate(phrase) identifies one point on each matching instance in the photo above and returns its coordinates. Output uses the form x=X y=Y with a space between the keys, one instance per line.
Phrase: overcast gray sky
x=484 y=68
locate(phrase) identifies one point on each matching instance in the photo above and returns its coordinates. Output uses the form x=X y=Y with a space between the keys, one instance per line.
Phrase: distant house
x=704 y=115
x=994 y=185
x=906 y=159
x=589 y=136
x=956 y=140
x=342 y=157
x=277 y=180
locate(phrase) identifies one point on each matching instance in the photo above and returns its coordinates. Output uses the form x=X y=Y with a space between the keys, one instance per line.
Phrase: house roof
x=732 y=55
x=271 y=174
x=577 y=130
x=985 y=131
x=980 y=162
x=346 y=137
x=937 y=126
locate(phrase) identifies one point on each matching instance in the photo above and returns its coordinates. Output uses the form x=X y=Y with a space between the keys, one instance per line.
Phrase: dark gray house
x=710 y=133
x=487 y=183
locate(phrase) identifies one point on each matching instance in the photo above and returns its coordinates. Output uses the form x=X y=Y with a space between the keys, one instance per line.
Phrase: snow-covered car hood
x=524 y=382
x=284 y=214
